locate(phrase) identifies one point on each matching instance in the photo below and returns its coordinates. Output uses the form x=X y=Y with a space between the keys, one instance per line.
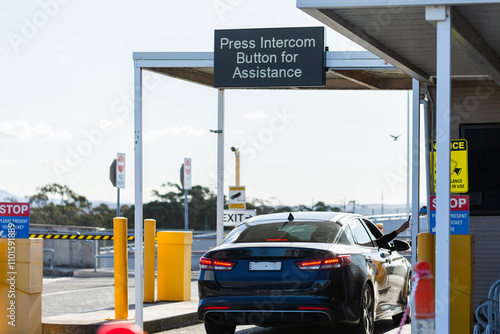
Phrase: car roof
x=339 y=217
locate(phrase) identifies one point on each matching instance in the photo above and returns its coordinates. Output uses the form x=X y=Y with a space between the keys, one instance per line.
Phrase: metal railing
x=52 y=249
x=488 y=313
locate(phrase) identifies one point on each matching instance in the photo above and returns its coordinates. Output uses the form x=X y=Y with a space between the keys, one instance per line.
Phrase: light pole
x=237 y=154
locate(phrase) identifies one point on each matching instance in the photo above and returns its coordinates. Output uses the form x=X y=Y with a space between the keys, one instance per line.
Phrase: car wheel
x=398 y=317
x=367 y=313
x=219 y=329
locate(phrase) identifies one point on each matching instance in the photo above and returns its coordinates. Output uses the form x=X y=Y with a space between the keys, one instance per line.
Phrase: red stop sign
x=121 y=163
x=187 y=167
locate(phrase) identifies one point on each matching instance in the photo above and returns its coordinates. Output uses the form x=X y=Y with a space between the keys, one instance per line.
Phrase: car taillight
x=217 y=308
x=214 y=264
x=313 y=308
x=330 y=263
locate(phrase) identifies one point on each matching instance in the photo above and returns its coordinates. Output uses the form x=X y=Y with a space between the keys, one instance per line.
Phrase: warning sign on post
x=459 y=167
x=120 y=170
x=459 y=214
x=237 y=198
x=14 y=220
x=187 y=174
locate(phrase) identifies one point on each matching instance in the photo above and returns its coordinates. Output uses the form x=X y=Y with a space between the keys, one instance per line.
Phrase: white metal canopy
x=344 y=70
x=398 y=32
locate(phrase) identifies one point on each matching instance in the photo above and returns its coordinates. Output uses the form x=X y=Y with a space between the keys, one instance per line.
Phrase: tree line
x=56 y=204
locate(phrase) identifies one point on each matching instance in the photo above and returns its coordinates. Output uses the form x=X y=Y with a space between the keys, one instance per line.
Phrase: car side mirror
x=400 y=245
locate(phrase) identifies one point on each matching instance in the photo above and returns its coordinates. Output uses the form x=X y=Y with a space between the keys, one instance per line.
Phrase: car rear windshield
x=306 y=231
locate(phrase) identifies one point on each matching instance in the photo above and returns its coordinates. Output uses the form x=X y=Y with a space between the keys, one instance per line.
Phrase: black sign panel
x=277 y=57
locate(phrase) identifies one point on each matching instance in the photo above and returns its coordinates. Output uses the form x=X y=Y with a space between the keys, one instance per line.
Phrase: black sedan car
x=303 y=268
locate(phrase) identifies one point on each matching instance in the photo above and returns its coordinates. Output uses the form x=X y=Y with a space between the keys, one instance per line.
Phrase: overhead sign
x=187 y=174
x=459 y=214
x=120 y=170
x=234 y=217
x=272 y=57
x=459 y=166
x=14 y=220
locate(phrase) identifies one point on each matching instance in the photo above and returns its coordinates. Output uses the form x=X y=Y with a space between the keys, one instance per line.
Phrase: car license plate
x=264 y=266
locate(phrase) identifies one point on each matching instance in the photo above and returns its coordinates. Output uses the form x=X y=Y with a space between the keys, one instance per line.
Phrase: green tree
x=321 y=206
x=68 y=208
x=169 y=209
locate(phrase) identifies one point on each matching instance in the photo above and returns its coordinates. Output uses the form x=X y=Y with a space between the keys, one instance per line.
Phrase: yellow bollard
x=21 y=283
x=121 y=267
x=426 y=249
x=174 y=265
x=149 y=260
x=462 y=265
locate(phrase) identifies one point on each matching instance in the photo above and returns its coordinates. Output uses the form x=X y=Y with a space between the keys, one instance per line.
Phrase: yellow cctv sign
x=237 y=198
x=459 y=167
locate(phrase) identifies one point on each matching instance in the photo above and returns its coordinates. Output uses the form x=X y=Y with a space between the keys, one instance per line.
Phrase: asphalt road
x=381 y=327
x=63 y=295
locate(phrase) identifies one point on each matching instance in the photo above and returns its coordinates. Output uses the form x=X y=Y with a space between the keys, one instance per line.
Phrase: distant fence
x=98 y=249
x=393 y=221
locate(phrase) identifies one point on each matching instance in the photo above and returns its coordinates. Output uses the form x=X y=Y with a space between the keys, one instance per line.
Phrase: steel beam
x=138 y=195
x=359 y=36
x=415 y=167
x=360 y=78
x=415 y=177
x=443 y=109
x=396 y=84
x=220 y=167
x=185 y=74
x=305 y=4
x=473 y=45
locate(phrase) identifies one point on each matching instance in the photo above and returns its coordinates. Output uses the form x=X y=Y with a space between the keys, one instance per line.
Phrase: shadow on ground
x=381 y=326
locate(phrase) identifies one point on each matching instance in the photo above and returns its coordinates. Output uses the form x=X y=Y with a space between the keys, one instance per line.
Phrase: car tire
x=366 y=322
x=398 y=317
x=219 y=329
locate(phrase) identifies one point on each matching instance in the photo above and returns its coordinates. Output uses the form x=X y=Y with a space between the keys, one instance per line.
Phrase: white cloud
x=173 y=131
x=112 y=124
x=257 y=115
x=22 y=130
x=7 y=163
x=240 y=132
x=47 y=161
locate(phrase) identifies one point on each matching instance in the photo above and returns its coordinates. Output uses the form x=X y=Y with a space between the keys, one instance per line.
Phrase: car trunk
x=267 y=267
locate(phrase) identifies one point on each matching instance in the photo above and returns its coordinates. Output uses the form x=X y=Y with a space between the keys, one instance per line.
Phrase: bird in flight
x=395 y=137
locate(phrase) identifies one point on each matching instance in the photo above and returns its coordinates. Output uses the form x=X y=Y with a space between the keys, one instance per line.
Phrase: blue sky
x=66 y=107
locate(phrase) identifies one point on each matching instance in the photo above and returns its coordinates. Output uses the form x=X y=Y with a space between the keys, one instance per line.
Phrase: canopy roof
x=398 y=32
x=345 y=69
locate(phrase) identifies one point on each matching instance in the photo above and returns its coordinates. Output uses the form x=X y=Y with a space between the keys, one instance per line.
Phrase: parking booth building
x=452 y=50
